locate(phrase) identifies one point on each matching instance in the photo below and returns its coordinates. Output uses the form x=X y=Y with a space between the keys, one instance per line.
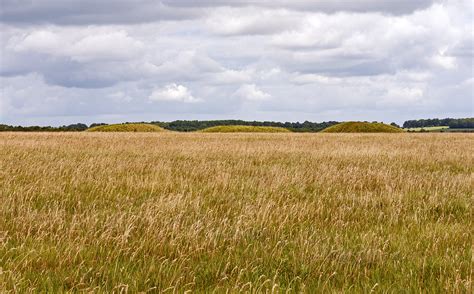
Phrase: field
x=442 y=129
x=103 y=212
x=463 y=130
x=428 y=129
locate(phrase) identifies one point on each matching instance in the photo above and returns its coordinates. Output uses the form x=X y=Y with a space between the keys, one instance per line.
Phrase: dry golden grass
x=104 y=212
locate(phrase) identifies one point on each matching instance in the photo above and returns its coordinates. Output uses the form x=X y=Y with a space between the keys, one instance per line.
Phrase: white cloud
x=40 y=41
x=315 y=78
x=398 y=96
x=302 y=58
x=120 y=96
x=83 y=45
x=444 y=61
x=173 y=92
x=105 y=46
x=232 y=77
x=251 y=92
x=250 y=21
x=4 y=105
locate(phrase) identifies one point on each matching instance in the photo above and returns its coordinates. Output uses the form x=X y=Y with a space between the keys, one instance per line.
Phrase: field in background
x=428 y=129
x=441 y=129
x=245 y=212
x=464 y=130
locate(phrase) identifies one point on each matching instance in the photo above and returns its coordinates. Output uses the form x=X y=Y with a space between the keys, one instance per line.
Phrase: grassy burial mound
x=245 y=129
x=362 y=127
x=142 y=128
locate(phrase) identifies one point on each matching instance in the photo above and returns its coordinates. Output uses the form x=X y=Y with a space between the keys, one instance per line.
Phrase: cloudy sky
x=67 y=61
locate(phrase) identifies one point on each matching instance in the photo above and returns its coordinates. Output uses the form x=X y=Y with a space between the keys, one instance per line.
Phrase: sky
x=69 y=61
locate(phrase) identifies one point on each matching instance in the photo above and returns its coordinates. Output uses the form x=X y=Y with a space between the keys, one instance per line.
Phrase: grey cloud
x=389 y=6
x=74 y=12
x=464 y=49
x=304 y=64
x=65 y=72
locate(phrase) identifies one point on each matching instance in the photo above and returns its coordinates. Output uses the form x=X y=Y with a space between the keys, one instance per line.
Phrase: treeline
x=70 y=128
x=195 y=125
x=181 y=126
x=452 y=123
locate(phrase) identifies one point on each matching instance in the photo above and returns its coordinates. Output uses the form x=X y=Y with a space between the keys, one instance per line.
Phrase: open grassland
x=103 y=212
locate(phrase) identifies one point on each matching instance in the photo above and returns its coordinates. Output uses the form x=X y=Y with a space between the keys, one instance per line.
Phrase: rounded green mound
x=142 y=128
x=245 y=129
x=362 y=127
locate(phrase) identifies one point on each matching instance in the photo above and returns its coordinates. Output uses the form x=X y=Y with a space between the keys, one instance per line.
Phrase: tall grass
x=104 y=212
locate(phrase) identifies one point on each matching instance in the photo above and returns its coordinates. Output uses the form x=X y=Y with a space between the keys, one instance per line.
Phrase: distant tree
x=453 y=123
x=194 y=125
x=394 y=124
x=74 y=127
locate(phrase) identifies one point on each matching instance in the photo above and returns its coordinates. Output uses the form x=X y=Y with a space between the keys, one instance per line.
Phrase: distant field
x=463 y=130
x=315 y=213
x=428 y=129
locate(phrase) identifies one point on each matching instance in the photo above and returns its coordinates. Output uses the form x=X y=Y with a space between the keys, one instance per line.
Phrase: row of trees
x=69 y=128
x=195 y=125
x=183 y=126
x=453 y=123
